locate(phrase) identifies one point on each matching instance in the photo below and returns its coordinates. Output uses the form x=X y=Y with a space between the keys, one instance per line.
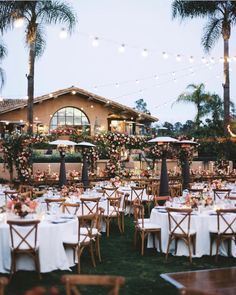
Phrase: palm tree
x=214 y=105
x=3 y=53
x=221 y=17
x=36 y=16
x=198 y=97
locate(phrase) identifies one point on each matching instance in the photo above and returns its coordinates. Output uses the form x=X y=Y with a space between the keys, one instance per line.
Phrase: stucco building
x=85 y=111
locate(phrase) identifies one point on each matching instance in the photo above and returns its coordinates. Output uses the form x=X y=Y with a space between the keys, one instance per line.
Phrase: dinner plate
x=58 y=221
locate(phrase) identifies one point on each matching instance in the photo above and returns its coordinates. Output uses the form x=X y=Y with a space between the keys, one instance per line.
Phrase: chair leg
x=168 y=247
x=189 y=249
x=142 y=242
x=159 y=239
x=194 y=244
x=119 y=223
x=79 y=252
x=92 y=254
x=217 y=247
x=123 y=221
x=176 y=245
x=135 y=237
x=108 y=227
x=98 y=249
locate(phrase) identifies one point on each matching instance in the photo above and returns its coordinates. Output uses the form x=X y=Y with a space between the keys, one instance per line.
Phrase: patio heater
x=85 y=145
x=164 y=142
x=185 y=145
x=62 y=146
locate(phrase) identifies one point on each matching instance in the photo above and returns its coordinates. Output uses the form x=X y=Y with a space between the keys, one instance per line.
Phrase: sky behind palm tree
x=139 y=24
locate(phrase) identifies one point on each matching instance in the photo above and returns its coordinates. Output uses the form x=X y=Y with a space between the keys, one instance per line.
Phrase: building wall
x=96 y=112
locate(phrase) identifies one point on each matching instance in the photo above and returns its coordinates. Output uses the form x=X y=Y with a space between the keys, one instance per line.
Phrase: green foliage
x=141 y=106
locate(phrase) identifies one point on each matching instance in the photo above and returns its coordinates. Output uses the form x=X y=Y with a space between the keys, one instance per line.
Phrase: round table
x=52 y=255
x=202 y=223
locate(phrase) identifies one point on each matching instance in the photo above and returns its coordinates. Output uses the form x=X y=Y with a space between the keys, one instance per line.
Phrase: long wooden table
x=215 y=281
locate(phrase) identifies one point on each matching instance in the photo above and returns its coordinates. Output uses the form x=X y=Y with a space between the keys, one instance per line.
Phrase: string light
x=191 y=59
x=63 y=33
x=234 y=58
x=19 y=22
x=73 y=92
x=121 y=49
x=95 y=42
x=204 y=60
x=221 y=59
x=212 y=60
x=156 y=77
x=178 y=57
x=145 y=52
x=137 y=81
x=117 y=85
x=50 y=95
x=173 y=74
x=228 y=59
x=165 y=55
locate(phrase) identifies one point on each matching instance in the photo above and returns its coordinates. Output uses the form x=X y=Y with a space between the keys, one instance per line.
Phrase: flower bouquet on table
x=22 y=207
x=115 y=181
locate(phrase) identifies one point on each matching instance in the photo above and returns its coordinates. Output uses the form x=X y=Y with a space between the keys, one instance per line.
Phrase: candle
x=199 y=169
x=98 y=171
x=49 y=169
x=228 y=169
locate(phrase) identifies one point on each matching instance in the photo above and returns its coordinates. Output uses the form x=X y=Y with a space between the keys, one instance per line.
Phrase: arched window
x=70 y=116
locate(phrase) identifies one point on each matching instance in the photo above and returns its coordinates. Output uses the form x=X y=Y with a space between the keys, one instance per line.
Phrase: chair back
x=138 y=214
x=72 y=282
x=153 y=189
x=113 y=205
x=10 y=195
x=87 y=222
x=109 y=191
x=70 y=208
x=179 y=221
x=137 y=193
x=196 y=192
x=176 y=190
x=23 y=234
x=89 y=205
x=160 y=201
x=55 y=201
x=25 y=188
x=221 y=193
x=226 y=224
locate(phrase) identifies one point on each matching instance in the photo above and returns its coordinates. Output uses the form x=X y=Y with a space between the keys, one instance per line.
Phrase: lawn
x=119 y=257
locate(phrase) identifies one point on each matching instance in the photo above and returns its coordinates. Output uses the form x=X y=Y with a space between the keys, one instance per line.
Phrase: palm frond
x=211 y=33
x=192 y=9
x=53 y=12
x=3 y=50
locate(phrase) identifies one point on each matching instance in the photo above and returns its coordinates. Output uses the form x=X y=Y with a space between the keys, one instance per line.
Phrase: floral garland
x=16 y=150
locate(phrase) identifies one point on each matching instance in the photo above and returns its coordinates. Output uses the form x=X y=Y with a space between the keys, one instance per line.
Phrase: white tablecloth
x=201 y=223
x=52 y=254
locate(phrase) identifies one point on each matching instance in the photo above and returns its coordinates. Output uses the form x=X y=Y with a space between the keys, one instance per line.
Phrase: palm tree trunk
x=226 y=84
x=30 y=90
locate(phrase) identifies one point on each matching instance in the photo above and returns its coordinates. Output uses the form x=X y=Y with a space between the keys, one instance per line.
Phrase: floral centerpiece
x=115 y=181
x=194 y=202
x=22 y=207
x=72 y=189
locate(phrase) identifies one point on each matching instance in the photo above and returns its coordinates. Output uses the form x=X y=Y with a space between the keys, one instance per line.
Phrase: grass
x=119 y=257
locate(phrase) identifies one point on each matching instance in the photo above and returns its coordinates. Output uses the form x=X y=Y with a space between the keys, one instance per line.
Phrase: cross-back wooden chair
x=72 y=283
x=109 y=191
x=89 y=205
x=180 y=229
x=10 y=195
x=221 y=193
x=112 y=212
x=143 y=226
x=135 y=194
x=25 y=188
x=54 y=201
x=225 y=231
x=24 y=241
x=176 y=190
x=83 y=239
x=70 y=208
x=3 y=283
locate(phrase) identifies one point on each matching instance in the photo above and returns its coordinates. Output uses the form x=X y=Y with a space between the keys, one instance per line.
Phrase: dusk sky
x=128 y=76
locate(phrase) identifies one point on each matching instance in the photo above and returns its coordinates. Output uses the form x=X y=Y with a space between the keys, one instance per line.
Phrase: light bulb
x=63 y=33
x=173 y=74
x=95 y=42
x=191 y=59
x=145 y=52
x=228 y=59
x=117 y=85
x=156 y=77
x=122 y=48
x=204 y=60
x=50 y=95
x=164 y=55
x=212 y=60
x=137 y=81
x=19 y=22
x=221 y=59
x=73 y=92
x=178 y=57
